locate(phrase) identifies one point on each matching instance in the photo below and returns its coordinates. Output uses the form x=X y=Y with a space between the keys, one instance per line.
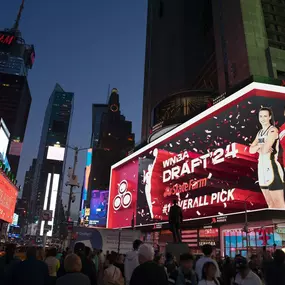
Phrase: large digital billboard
x=228 y=156
x=98 y=207
x=8 y=198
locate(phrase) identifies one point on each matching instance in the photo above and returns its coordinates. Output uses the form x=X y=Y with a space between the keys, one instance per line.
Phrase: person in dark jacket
x=7 y=262
x=88 y=267
x=148 y=272
x=175 y=219
x=184 y=274
x=275 y=271
x=31 y=271
x=73 y=276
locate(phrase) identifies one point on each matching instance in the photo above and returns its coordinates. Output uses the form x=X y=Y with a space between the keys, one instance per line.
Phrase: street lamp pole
x=72 y=183
x=246 y=223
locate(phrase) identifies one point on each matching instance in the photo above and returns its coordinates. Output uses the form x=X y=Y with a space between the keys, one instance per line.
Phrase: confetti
x=221 y=214
x=198 y=213
x=225 y=205
x=252 y=111
x=210 y=175
x=170 y=145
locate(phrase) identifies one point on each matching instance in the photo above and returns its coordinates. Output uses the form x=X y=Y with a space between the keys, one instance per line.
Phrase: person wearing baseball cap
x=245 y=275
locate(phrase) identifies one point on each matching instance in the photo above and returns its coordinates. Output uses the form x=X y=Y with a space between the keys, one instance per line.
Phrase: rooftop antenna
x=16 y=24
x=108 y=95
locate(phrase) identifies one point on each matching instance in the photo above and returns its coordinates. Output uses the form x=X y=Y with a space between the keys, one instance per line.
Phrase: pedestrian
x=160 y=260
x=132 y=261
x=275 y=271
x=112 y=274
x=207 y=250
x=73 y=276
x=148 y=272
x=88 y=267
x=245 y=276
x=31 y=271
x=53 y=264
x=209 y=274
x=7 y=262
x=120 y=263
x=184 y=274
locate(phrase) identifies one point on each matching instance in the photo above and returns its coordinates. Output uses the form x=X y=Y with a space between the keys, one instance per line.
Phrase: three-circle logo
x=124 y=197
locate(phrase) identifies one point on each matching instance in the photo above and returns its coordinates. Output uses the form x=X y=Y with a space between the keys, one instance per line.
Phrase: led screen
x=55 y=153
x=207 y=164
x=50 y=200
x=8 y=198
x=15 y=219
x=4 y=140
x=86 y=177
x=98 y=207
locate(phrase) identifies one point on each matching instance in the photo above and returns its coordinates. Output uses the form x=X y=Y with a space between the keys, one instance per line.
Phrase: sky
x=84 y=46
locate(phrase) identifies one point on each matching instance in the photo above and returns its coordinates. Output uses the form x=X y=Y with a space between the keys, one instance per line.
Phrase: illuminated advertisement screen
x=229 y=155
x=56 y=153
x=4 y=140
x=86 y=176
x=8 y=198
x=98 y=207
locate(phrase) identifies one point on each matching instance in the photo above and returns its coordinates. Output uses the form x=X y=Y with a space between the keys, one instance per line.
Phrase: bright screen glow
x=98 y=207
x=4 y=140
x=15 y=219
x=8 y=198
x=86 y=176
x=55 y=153
x=210 y=164
x=53 y=199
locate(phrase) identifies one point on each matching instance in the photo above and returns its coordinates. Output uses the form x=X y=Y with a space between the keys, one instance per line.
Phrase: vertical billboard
x=8 y=198
x=98 y=208
x=86 y=179
x=228 y=155
x=4 y=140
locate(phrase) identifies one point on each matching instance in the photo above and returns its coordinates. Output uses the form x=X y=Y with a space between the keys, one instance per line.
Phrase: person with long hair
x=209 y=272
x=270 y=172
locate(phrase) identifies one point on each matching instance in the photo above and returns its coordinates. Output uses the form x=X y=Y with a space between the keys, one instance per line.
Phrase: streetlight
x=72 y=183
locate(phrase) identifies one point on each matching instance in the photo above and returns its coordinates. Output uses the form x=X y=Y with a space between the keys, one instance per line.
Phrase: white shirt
x=206 y=282
x=200 y=264
x=250 y=279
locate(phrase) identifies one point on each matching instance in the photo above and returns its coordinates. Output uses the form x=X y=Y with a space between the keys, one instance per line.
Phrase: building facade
x=114 y=141
x=50 y=166
x=217 y=46
x=15 y=103
x=16 y=58
x=180 y=55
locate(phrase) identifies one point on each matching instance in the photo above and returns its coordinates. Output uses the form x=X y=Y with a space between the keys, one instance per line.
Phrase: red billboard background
x=205 y=163
x=8 y=198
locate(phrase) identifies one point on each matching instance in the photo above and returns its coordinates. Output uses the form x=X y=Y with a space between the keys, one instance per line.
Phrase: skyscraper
x=249 y=41
x=16 y=58
x=180 y=55
x=114 y=141
x=208 y=46
x=47 y=186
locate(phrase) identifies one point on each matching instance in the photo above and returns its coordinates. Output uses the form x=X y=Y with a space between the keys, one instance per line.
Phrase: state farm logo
x=124 y=197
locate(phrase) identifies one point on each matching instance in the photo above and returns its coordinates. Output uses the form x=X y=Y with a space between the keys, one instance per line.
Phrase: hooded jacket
x=131 y=263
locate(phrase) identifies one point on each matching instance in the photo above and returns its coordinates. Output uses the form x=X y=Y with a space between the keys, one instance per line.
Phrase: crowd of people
x=142 y=266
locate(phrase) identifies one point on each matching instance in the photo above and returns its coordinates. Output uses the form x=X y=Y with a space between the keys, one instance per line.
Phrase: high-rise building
x=115 y=140
x=249 y=41
x=16 y=58
x=179 y=58
x=28 y=183
x=97 y=113
x=47 y=185
x=207 y=46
